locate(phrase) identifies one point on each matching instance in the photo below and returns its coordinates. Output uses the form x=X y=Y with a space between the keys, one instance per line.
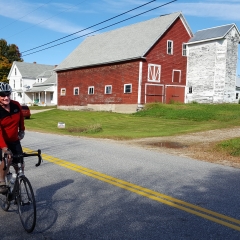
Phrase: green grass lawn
x=153 y=121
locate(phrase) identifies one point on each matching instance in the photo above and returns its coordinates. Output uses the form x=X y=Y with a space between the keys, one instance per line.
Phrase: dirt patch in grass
x=200 y=146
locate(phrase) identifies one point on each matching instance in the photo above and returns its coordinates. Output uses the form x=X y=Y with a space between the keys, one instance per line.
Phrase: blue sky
x=32 y=23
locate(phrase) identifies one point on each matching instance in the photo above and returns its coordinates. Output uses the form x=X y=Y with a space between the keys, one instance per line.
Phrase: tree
x=8 y=54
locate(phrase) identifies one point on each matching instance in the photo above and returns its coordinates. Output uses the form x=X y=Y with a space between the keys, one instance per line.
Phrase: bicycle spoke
x=26 y=204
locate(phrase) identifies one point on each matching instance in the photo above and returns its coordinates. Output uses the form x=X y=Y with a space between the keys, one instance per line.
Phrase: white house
x=33 y=83
x=212 y=65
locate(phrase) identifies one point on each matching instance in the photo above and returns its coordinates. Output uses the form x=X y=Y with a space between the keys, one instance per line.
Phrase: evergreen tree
x=8 y=54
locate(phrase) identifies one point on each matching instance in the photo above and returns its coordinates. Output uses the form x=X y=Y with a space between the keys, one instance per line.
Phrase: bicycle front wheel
x=26 y=204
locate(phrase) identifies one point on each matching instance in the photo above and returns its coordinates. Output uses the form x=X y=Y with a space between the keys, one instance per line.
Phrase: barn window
x=154 y=72
x=190 y=90
x=176 y=76
x=76 y=91
x=91 y=90
x=184 y=49
x=63 y=92
x=127 y=88
x=108 y=89
x=170 y=47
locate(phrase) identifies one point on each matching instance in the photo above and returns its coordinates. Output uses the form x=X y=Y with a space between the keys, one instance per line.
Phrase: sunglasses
x=5 y=94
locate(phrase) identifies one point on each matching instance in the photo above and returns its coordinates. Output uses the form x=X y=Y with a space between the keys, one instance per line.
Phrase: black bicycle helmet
x=5 y=88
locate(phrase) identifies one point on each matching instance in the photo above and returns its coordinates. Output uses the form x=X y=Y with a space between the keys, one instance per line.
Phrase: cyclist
x=11 y=130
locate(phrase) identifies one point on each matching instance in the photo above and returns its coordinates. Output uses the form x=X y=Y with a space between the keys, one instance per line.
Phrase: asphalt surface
x=81 y=204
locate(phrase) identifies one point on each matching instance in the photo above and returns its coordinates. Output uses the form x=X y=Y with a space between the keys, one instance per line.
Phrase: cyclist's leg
x=3 y=188
x=16 y=148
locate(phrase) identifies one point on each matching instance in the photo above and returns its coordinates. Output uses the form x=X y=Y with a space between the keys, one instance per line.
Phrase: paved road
x=101 y=189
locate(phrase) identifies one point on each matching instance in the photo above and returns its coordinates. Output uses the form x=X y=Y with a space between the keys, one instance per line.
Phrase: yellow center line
x=156 y=196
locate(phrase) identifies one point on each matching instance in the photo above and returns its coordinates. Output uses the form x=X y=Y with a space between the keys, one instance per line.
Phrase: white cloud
x=218 y=9
x=55 y=15
x=39 y=15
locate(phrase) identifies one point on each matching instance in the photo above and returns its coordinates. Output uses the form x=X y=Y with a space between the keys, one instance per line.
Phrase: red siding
x=158 y=55
x=116 y=75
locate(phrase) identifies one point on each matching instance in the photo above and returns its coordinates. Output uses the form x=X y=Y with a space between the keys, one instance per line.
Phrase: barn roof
x=126 y=43
x=212 y=33
x=31 y=70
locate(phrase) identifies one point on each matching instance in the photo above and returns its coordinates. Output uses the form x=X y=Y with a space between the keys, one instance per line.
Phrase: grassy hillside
x=153 y=121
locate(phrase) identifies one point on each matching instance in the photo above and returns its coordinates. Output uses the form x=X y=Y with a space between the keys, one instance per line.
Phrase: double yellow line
x=156 y=196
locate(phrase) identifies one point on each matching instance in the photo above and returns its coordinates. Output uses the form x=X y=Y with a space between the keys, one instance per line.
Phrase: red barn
x=123 y=69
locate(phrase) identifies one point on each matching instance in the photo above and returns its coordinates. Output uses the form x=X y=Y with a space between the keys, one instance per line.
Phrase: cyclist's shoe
x=3 y=187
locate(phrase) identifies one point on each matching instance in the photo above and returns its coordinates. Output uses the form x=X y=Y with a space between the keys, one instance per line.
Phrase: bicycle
x=21 y=193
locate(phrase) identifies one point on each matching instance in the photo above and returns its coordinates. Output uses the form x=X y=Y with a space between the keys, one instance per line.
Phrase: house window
x=190 y=90
x=154 y=72
x=91 y=90
x=14 y=84
x=176 y=76
x=76 y=91
x=108 y=89
x=15 y=71
x=63 y=92
x=127 y=88
x=21 y=83
x=170 y=47
x=51 y=96
x=184 y=49
x=236 y=95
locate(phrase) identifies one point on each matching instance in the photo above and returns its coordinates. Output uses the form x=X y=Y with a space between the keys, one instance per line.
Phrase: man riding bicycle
x=11 y=130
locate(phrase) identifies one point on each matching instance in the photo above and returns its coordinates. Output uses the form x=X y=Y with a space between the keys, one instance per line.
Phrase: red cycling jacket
x=10 y=123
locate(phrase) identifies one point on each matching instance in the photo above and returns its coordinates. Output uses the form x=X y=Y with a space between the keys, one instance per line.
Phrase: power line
x=99 y=29
x=88 y=27
x=46 y=19
x=24 y=15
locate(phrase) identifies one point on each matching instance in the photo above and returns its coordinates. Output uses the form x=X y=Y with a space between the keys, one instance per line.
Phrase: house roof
x=45 y=74
x=212 y=33
x=126 y=43
x=31 y=70
x=50 y=81
x=41 y=89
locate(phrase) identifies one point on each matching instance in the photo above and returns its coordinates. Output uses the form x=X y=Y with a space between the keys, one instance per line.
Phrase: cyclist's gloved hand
x=6 y=151
x=21 y=135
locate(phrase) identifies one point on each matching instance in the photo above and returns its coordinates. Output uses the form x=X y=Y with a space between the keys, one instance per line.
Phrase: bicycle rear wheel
x=26 y=204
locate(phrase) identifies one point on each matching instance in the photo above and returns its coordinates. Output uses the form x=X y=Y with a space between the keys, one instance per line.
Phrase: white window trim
x=75 y=88
x=90 y=87
x=63 y=92
x=170 y=41
x=107 y=86
x=180 y=75
x=125 y=88
x=184 y=49
x=155 y=74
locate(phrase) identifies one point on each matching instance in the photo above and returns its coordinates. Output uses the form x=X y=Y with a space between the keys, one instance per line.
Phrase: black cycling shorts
x=15 y=148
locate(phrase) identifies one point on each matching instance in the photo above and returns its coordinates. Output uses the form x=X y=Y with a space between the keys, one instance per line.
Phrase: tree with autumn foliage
x=8 y=54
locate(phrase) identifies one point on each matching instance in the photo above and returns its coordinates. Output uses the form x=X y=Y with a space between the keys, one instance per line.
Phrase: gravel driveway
x=198 y=145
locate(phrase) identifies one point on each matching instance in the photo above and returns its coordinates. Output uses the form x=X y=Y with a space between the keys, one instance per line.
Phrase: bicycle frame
x=22 y=193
